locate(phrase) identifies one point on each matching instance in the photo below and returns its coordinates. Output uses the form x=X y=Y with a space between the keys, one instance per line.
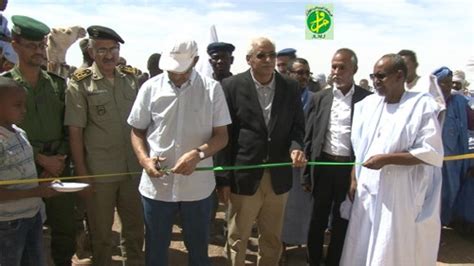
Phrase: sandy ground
x=455 y=249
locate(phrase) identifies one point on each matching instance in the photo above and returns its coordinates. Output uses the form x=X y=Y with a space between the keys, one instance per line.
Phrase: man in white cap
x=179 y=121
x=459 y=82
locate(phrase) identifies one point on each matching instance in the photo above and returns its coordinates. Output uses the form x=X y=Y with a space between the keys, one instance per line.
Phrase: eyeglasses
x=380 y=76
x=302 y=72
x=271 y=55
x=103 y=51
x=34 y=46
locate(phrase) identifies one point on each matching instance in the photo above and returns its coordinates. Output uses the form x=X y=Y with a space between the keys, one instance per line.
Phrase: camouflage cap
x=29 y=28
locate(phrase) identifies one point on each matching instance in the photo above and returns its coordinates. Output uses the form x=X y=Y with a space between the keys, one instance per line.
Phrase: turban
x=442 y=73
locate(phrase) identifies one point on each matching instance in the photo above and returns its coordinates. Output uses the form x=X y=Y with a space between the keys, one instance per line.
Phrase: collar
x=18 y=77
x=413 y=82
x=6 y=133
x=189 y=82
x=97 y=75
x=270 y=85
x=337 y=92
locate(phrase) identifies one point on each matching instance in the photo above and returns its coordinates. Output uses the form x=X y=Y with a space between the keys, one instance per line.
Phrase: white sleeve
x=428 y=145
x=140 y=115
x=220 y=112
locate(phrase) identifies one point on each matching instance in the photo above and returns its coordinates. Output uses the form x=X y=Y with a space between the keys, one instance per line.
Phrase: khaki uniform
x=44 y=127
x=101 y=109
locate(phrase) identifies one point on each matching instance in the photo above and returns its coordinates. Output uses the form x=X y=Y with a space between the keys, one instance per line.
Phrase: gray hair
x=397 y=63
x=352 y=53
x=257 y=42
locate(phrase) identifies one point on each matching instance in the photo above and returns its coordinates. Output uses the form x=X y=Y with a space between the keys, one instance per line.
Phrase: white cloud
x=221 y=5
x=440 y=32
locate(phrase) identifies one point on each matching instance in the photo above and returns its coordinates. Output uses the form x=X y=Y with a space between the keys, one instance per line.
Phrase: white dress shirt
x=338 y=134
x=265 y=95
x=179 y=120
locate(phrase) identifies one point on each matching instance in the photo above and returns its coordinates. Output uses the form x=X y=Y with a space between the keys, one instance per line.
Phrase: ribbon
x=210 y=168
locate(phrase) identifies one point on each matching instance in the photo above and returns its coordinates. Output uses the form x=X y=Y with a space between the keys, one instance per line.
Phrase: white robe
x=395 y=215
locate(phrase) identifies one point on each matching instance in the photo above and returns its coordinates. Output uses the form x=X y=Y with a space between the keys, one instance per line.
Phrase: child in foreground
x=20 y=219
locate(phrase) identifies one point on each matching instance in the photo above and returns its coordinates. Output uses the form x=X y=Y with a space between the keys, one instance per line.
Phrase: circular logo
x=318 y=21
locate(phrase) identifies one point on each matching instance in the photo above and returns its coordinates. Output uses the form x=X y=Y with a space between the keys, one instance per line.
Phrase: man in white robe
x=396 y=191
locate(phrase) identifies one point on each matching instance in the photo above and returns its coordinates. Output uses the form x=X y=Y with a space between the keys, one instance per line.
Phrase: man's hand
x=298 y=158
x=186 y=163
x=44 y=190
x=223 y=193
x=352 y=190
x=306 y=187
x=52 y=164
x=152 y=166
x=375 y=162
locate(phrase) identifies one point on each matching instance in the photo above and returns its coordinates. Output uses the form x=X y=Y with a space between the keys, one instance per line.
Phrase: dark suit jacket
x=250 y=142
x=317 y=122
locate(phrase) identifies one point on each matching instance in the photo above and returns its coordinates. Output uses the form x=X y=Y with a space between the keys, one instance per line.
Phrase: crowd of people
x=140 y=137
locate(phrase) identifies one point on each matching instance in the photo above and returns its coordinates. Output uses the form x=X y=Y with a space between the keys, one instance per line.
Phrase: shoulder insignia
x=81 y=74
x=129 y=70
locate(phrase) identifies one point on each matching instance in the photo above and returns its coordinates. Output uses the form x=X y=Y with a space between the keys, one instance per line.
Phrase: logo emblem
x=319 y=22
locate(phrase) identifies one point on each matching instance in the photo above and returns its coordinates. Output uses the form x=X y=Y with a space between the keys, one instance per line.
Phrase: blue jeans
x=21 y=242
x=159 y=218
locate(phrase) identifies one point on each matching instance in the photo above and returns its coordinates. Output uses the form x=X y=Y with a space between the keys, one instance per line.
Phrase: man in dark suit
x=327 y=139
x=267 y=127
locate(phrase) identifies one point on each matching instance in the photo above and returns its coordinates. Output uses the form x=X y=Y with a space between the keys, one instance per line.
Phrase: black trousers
x=330 y=189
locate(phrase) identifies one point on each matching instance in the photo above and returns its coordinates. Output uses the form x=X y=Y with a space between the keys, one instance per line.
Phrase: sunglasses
x=103 y=51
x=379 y=76
x=261 y=55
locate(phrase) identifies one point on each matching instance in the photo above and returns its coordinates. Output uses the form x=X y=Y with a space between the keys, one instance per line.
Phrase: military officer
x=43 y=124
x=98 y=102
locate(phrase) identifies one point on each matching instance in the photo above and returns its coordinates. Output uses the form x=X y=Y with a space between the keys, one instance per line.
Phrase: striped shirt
x=17 y=162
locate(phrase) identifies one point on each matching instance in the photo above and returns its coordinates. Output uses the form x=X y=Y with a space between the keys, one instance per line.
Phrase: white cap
x=460 y=76
x=179 y=56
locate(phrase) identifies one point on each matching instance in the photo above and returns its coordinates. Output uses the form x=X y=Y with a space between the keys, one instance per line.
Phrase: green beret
x=103 y=33
x=29 y=28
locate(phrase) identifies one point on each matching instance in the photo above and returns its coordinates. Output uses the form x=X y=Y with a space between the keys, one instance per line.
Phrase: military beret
x=220 y=46
x=104 y=33
x=287 y=52
x=29 y=28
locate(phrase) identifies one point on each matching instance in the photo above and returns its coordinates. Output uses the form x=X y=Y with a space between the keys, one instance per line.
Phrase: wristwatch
x=201 y=153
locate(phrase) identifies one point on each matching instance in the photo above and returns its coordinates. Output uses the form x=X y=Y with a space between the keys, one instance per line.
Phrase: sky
x=440 y=32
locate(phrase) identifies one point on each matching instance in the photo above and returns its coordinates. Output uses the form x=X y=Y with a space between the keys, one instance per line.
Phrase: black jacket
x=319 y=112
x=250 y=142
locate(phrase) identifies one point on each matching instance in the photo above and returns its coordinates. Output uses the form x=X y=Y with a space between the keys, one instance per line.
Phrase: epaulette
x=81 y=74
x=129 y=70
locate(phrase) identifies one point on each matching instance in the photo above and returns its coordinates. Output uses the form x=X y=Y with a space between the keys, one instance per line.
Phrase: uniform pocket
x=99 y=107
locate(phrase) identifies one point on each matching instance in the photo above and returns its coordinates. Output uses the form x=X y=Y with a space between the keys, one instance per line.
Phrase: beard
x=37 y=60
